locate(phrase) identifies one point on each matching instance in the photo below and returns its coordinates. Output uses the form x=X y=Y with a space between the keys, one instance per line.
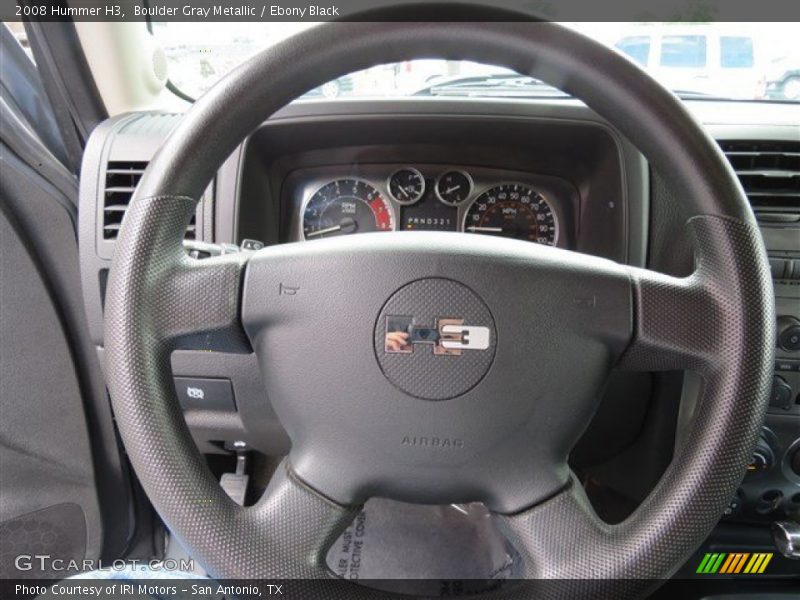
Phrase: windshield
x=736 y=61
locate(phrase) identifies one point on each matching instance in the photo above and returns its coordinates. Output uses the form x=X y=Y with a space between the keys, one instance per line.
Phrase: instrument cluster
x=410 y=197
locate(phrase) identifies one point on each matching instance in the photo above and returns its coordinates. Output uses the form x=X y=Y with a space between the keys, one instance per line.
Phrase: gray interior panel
x=49 y=464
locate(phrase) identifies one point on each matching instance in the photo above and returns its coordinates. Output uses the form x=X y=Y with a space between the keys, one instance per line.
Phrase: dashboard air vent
x=769 y=172
x=121 y=179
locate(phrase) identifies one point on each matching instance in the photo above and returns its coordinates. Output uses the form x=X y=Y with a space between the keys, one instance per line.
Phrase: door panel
x=65 y=490
x=48 y=498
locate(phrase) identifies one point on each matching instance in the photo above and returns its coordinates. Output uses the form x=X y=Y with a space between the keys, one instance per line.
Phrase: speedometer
x=513 y=210
x=346 y=206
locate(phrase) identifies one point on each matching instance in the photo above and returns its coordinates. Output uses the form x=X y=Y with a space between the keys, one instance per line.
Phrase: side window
x=18 y=31
x=637 y=47
x=736 y=52
x=686 y=51
x=24 y=91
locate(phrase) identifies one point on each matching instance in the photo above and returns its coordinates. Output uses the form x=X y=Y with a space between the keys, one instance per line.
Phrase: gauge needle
x=324 y=231
x=402 y=189
x=483 y=229
x=455 y=188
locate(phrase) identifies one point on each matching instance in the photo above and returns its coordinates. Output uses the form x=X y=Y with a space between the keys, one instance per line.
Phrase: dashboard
x=333 y=201
x=570 y=181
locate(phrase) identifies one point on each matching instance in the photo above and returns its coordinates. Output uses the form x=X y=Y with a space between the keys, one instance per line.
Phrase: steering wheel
x=492 y=415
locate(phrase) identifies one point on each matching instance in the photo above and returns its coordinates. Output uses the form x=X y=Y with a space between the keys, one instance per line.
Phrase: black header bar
x=402 y=10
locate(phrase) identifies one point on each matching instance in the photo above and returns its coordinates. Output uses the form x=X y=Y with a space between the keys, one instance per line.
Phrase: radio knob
x=763 y=457
x=781 y=394
x=789 y=333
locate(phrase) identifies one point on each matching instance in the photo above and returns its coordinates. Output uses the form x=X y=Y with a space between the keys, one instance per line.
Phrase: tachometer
x=515 y=211
x=346 y=206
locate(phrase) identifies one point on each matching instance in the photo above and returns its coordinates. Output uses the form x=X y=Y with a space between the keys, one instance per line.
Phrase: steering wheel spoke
x=538 y=534
x=203 y=306
x=693 y=323
x=298 y=526
x=184 y=302
x=676 y=323
x=563 y=536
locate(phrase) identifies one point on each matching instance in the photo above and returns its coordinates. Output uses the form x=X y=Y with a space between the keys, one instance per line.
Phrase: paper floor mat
x=424 y=549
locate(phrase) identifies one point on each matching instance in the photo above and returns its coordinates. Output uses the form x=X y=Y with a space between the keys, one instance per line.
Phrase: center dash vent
x=121 y=180
x=769 y=172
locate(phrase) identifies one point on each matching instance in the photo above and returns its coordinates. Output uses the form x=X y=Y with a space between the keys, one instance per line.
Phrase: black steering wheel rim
x=719 y=321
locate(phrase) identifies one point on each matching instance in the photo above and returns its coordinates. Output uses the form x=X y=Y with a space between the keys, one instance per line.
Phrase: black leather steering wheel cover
x=157 y=440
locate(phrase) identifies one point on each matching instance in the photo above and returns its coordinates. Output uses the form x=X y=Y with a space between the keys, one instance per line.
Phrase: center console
x=770 y=175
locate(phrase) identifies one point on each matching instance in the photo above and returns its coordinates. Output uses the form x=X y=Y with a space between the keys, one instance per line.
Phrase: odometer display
x=346 y=206
x=513 y=210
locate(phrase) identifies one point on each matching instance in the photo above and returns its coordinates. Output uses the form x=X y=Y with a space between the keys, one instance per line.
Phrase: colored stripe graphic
x=715 y=567
x=740 y=564
x=726 y=566
x=711 y=562
x=766 y=562
x=703 y=564
x=758 y=563
x=734 y=563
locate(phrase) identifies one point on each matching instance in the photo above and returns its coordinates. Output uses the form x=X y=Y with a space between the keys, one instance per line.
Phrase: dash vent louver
x=122 y=177
x=769 y=172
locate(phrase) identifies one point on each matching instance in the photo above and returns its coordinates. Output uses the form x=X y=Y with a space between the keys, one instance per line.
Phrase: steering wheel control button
x=201 y=393
x=435 y=339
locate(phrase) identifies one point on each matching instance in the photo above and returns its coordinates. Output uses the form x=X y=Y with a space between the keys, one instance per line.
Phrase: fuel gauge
x=407 y=186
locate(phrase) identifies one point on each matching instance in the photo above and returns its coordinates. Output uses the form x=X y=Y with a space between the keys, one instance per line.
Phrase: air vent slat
x=121 y=181
x=124 y=172
x=740 y=153
x=769 y=172
x=111 y=190
x=777 y=193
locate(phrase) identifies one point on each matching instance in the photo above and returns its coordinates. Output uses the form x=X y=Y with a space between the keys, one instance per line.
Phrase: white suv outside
x=697 y=59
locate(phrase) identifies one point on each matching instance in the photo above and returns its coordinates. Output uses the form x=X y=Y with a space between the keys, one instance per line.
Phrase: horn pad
x=435 y=339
